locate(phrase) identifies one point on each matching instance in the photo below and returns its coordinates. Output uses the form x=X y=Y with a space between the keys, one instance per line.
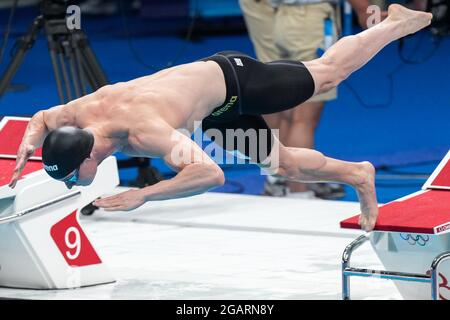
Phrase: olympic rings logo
x=420 y=240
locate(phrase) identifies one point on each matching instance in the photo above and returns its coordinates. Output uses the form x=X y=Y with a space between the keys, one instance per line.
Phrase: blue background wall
x=391 y=113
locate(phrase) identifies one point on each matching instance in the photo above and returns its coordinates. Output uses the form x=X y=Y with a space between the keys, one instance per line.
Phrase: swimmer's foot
x=365 y=188
x=408 y=21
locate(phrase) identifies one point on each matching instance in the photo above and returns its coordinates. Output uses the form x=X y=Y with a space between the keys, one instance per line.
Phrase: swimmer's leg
x=306 y=165
x=352 y=52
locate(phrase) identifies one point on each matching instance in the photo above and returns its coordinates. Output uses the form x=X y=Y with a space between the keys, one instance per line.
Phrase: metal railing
x=348 y=271
x=40 y=206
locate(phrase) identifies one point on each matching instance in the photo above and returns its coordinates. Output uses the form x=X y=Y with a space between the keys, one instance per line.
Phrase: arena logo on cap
x=51 y=168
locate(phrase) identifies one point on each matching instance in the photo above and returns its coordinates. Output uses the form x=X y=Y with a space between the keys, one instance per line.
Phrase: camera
x=440 y=9
x=55 y=9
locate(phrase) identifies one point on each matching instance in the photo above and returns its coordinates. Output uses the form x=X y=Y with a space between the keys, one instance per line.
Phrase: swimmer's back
x=180 y=95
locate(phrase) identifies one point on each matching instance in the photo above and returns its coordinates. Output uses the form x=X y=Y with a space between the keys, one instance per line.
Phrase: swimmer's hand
x=124 y=201
x=25 y=152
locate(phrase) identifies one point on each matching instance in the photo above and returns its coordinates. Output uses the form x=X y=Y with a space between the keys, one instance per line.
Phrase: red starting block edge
x=412 y=234
x=440 y=178
x=12 y=130
x=426 y=211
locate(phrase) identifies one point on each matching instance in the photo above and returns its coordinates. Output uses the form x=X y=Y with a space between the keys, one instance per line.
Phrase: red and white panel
x=12 y=130
x=47 y=248
x=440 y=179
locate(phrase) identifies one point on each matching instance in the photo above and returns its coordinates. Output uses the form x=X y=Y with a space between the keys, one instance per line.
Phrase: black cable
x=187 y=40
x=397 y=186
x=180 y=52
x=390 y=98
x=389 y=176
x=390 y=75
x=437 y=44
x=413 y=175
x=392 y=169
x=8 y=29
x=130 y=43
x=240 y=187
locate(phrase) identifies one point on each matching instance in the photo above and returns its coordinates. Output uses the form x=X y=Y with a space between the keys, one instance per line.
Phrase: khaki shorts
x=292 y=32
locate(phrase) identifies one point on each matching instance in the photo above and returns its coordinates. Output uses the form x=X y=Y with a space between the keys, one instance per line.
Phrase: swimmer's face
x=84 y=175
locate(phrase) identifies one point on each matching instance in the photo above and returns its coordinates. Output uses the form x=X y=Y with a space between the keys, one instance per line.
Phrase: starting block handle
x=348 y=271
x=45 y=204
x=346 y=256
x=355 y=244
x=9 y=156
x=434 y=273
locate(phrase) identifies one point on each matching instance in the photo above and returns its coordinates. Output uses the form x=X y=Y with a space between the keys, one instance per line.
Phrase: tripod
x=76 y=70
x=75 y=66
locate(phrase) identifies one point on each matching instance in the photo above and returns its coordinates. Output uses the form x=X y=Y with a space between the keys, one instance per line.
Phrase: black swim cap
x=65 y=149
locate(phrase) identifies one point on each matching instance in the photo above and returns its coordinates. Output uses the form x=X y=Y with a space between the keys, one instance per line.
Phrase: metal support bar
x=40 y=206
x=382 y=274
x=348 y=271
x=346 y=263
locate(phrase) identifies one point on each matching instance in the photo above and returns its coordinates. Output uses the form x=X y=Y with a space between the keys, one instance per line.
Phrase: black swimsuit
x=255 y=88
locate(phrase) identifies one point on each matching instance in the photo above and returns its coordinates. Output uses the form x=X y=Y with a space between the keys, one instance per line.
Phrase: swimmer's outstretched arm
x=197 y=173
x=33 y=138
x=38 y=127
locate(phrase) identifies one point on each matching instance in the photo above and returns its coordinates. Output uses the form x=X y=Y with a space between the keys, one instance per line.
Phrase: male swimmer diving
x=228 y=90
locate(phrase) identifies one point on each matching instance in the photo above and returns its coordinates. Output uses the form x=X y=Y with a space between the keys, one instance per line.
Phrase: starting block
x=42 y=243
x=412 y=237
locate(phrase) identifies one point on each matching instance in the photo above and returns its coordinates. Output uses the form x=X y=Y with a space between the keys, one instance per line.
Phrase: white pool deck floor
x=225 y=246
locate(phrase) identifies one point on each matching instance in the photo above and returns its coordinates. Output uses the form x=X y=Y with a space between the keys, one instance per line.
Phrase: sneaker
x=22 y=3
x=275 y=187
x=306 y=195
x=136 y=5
x=328 y=191
x=98 y=7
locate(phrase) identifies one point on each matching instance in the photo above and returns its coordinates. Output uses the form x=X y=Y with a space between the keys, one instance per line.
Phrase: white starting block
x=42 y=244
x=412 y=237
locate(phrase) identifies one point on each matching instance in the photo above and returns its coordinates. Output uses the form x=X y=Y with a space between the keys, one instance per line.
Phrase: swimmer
x=228 y=90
